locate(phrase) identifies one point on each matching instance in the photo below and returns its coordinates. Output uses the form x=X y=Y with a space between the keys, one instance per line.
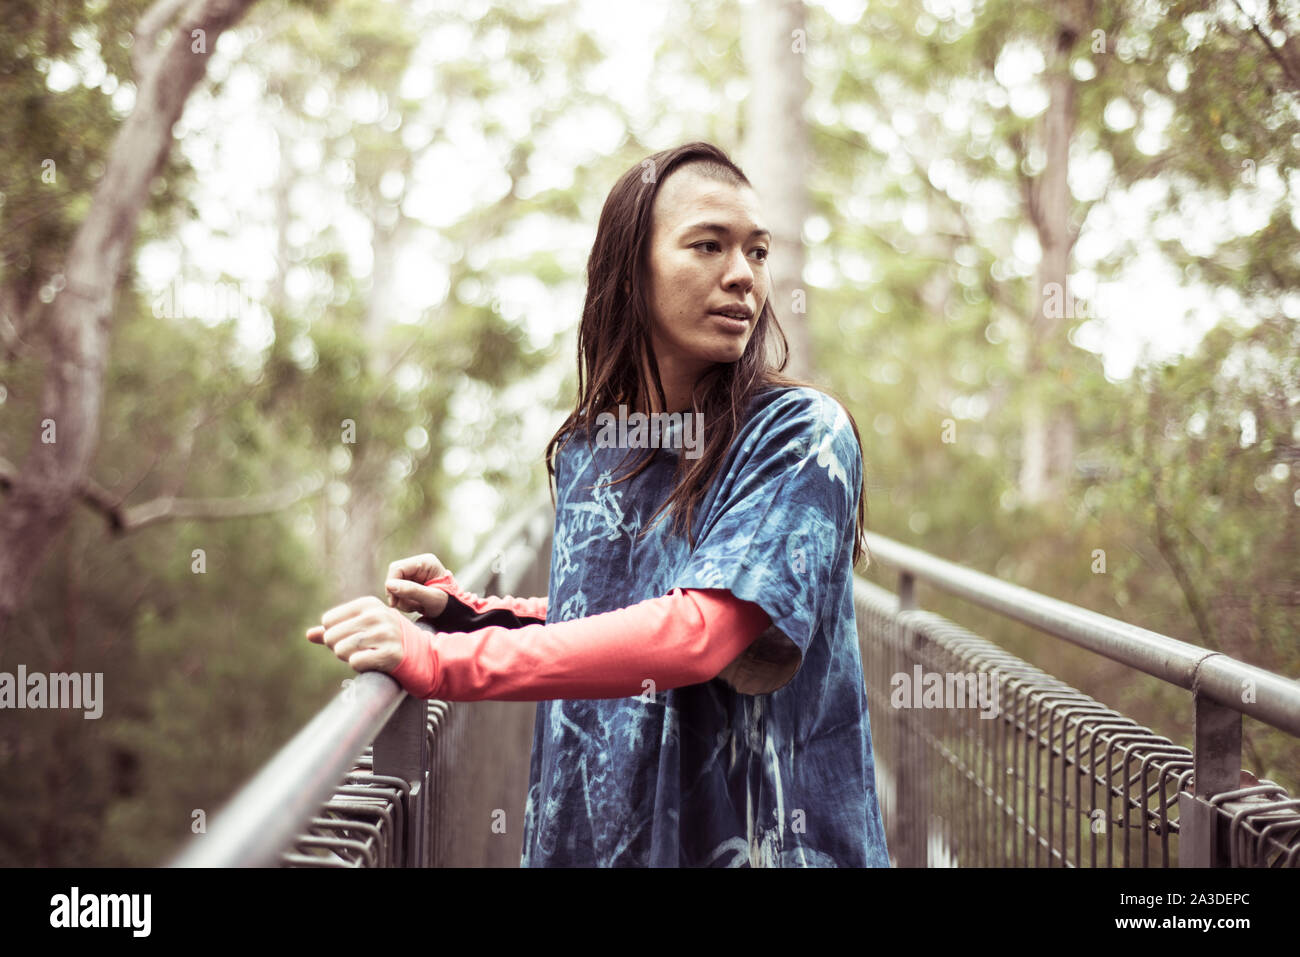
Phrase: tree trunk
x=1047 y=449
x=369 y=479
x=51 y=474
x=775 y=155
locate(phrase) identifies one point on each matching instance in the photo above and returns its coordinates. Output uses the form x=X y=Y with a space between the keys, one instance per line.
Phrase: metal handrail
x=266 y=814
x=268 y=811
x=1217 y=813
x=1209 y=673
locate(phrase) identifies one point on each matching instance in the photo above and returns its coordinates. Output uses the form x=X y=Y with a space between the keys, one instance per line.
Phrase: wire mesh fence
x=378 y=820
x=984 y=760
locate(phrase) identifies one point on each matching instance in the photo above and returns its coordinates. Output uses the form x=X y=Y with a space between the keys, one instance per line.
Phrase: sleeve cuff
x=419 y=671
x=515 y=611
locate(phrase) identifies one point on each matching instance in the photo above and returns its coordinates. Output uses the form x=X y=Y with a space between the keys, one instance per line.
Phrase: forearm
x=680 y=639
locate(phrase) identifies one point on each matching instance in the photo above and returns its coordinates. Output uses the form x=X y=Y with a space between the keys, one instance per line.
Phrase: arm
x=684 y=638
x=466 y=611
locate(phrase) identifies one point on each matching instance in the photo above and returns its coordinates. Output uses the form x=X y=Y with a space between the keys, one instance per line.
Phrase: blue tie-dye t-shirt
x=770 y=763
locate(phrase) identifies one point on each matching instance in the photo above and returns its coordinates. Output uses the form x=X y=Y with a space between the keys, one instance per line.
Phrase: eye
x=763 y=250
x=709 y=242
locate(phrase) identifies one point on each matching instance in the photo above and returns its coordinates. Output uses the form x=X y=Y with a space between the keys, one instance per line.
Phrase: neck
x=678 y=384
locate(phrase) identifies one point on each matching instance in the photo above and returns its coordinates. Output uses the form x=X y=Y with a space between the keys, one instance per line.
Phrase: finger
x=399 y=571
x=395 y=569
x=426 y=568
x=404 y=594
x=411 y=596
x=338 y=633
x=397 y=597
x=372 y=660
x=316 y=634
x=350 y=645
x=351 y=609
x=428 y=600
x=411 y=568
x=433 y=568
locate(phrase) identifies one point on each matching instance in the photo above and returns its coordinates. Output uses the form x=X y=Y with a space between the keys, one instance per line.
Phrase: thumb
x=412 y=596
x=397 y=591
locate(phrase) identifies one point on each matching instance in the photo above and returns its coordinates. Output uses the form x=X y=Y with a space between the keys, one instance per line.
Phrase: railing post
x=909 y=751
x=401 y=750
x=906 y=591
x=1216 y=768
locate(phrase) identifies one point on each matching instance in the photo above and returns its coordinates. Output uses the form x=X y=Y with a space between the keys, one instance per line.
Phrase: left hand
x=364 y=632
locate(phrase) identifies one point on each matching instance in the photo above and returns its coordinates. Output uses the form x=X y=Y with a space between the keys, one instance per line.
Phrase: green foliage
x=1198 y=526
x=53 y=145
x=206 y=671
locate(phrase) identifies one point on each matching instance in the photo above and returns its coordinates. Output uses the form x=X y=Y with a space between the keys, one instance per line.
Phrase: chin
x=736 y=351
x=723 y=356
x=733 y=348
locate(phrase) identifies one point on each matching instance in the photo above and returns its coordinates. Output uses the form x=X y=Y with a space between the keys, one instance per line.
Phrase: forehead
x=687 y=197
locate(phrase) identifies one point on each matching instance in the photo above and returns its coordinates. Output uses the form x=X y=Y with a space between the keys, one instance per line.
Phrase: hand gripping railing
x=394 y=798
x=1051 y=766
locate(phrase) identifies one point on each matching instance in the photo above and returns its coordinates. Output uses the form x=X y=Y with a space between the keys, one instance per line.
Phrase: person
x=700 y=692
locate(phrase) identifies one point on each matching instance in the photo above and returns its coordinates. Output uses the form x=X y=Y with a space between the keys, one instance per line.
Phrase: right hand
x=406 y=588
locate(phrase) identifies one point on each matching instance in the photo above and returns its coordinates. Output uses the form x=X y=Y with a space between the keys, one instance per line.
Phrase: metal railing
x=1048 y=776
x=374 y=778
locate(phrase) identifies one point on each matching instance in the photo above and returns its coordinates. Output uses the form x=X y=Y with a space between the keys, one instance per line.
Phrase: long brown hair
x=614 y=347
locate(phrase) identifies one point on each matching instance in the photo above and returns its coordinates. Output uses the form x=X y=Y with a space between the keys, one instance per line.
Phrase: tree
x=53 y=474
x=775 y=155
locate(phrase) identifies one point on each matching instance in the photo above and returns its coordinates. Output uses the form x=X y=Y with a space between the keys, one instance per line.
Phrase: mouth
x=730 y=323
x=738 y=316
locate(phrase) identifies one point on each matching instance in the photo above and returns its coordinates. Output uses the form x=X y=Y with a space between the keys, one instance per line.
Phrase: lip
x=736 y=306
x=732 y=323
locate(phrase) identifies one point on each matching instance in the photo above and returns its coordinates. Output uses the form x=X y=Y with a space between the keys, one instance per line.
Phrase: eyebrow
x=719 y=228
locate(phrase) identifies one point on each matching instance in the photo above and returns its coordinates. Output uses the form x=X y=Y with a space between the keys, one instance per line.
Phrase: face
x=708 y=253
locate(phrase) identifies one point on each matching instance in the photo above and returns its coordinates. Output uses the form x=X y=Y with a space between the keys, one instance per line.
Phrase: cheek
x=677 y=300
x=667 y=292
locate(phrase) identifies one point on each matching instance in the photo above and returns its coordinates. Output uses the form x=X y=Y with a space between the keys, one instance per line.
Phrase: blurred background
x=297 y=285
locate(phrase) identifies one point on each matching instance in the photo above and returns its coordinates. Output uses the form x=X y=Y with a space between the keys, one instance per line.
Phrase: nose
x=739 y=272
